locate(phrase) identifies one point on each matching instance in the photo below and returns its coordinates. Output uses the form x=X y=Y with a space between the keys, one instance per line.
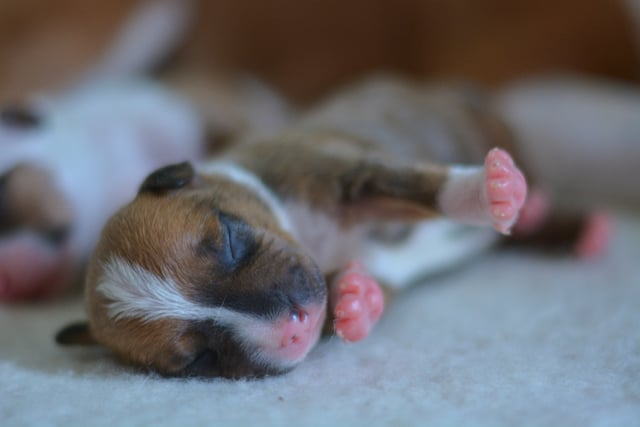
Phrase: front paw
x=359 y=303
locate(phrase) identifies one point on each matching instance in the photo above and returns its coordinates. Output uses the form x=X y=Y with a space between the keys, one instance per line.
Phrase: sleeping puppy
x=235 y=266
x=70 y=161
x=58 y=184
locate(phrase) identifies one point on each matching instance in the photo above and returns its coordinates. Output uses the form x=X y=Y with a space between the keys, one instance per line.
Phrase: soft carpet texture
x=513 y=339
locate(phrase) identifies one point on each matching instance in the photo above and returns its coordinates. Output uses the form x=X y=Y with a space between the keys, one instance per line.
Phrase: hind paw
x=506 y=189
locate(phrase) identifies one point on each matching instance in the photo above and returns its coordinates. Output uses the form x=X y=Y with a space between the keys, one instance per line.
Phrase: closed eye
x=229 y=239
x=233 y=246
x=238 y=239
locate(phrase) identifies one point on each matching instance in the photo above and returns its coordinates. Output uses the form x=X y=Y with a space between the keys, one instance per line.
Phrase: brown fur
x=344 y=177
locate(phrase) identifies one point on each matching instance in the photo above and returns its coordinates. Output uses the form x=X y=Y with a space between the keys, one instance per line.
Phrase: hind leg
x=493 y=194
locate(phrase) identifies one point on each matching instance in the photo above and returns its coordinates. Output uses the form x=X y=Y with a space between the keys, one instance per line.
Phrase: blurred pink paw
x=31 y=270
x=359 y=303
x=595 y=236
x=506 y=189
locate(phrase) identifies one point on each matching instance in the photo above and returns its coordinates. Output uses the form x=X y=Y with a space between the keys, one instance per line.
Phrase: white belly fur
x=433 y=247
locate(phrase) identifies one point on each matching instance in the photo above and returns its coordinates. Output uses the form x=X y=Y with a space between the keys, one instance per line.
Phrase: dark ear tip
x=172 y=177
x=75 y=334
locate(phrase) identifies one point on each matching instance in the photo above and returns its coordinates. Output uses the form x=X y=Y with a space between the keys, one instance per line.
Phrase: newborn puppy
x=233 y=267
x=68 y=163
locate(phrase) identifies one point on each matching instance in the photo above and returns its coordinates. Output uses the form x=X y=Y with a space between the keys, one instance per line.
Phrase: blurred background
x=543 y=342
x=306 y=47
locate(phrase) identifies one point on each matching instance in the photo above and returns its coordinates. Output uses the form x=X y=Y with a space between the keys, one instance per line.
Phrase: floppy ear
x=172 y=177
x=19 y=117
x=76 y=334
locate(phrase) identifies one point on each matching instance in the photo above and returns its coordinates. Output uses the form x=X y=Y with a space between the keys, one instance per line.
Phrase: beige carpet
x=513 y=339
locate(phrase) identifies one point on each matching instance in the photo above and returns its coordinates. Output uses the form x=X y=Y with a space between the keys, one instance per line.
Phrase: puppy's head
x=198 y=277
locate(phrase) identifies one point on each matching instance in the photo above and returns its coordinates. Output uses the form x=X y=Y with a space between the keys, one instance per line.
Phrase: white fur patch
x=320 y=235
x=433 y=247
x=248 y=180
x=464 y=196
x=136 y=292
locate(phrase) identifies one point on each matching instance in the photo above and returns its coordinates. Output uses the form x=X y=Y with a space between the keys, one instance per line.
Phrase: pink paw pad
x=595 y=236
x=506 y=189
x=359 y=304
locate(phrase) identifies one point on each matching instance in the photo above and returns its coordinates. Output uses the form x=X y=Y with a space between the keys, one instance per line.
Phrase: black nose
x=19 y=117
x=304 y=285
